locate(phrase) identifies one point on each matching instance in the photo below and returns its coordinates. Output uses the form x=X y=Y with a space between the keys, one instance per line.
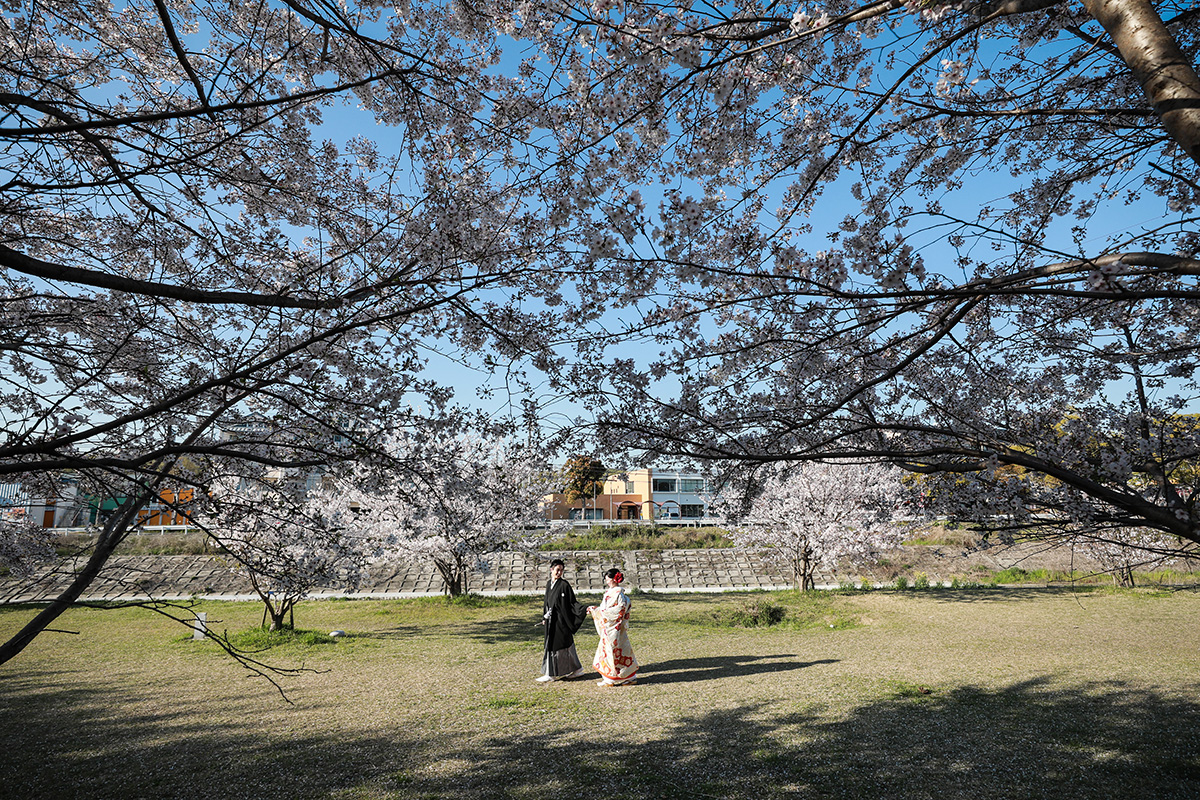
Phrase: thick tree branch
x=112 y=535
x=1164 y=73
x=28 y=265
x=164 y=14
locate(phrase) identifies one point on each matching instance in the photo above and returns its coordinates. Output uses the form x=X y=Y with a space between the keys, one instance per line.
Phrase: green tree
x=584 y=478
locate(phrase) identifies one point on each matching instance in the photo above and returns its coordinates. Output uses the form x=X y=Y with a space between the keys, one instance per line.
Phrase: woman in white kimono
x=614 y=655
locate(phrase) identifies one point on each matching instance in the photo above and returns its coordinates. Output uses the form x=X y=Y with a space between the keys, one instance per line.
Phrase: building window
x=691 y=511
x=664 y=484
x=693 y=485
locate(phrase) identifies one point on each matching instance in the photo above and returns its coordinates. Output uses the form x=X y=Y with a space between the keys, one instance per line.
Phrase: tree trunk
x=1151 y=53
x=453 y=576
x=807 y=584
x=113 y=534
x=1123 y=576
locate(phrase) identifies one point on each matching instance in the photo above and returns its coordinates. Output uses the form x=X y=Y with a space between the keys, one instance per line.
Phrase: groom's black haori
x=563 y=615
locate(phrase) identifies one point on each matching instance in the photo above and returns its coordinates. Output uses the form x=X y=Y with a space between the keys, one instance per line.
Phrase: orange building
x=171 y=508
x=640 y=494
x=74 y=510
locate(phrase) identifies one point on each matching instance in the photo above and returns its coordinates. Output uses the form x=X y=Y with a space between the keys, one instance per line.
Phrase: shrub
x=751 y=614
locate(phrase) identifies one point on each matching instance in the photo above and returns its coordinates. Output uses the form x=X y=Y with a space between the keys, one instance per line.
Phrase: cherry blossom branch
x=270 y=672
x=294 y=98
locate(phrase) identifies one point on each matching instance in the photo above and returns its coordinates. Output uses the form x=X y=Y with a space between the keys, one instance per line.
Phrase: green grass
x=261 y=639
x=905 y=689
x=464 y=601
x=641 y=537
x=788 y=610
x=1166 y=577
x=1019 y=575
x=986 y=692
x=752 y=613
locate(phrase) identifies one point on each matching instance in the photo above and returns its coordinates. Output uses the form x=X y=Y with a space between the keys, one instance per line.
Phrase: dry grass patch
x=142 y=544
x=987 y=693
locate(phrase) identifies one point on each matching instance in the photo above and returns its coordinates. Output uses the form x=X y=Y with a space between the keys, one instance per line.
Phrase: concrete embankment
x=174 y=577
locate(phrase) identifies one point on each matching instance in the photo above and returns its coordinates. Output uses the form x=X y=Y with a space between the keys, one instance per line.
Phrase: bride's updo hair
x=615 y=575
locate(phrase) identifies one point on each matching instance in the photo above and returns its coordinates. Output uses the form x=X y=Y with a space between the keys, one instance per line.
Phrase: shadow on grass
x=995 y=594
x=522 y=626
x=78 y=742
x=1023 y=741
x=687 y=670
x=1023 y=593
x=1026 y=740
x=516 y=628
x=402 y=632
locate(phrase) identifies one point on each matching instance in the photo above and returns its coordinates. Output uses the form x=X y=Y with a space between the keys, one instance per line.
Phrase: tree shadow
x=524 y=627
x=999 y=594
x=394 y=632
x=1033 y=739
x=505 y=630
x=1027 y=740
x=689 y=670
x=80 y=741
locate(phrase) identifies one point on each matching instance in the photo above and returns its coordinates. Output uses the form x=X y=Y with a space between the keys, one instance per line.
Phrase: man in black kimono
x=562 y=616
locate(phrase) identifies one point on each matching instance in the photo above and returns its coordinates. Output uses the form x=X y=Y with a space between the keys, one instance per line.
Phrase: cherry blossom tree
x=288 y=539
x=1122 y=551
x=948 y=236
x=884 y=229
x=466 y=497
x=204 y=262
x=813 y=515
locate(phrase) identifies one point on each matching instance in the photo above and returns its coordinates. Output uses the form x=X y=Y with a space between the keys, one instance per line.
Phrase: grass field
x=979 y=693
